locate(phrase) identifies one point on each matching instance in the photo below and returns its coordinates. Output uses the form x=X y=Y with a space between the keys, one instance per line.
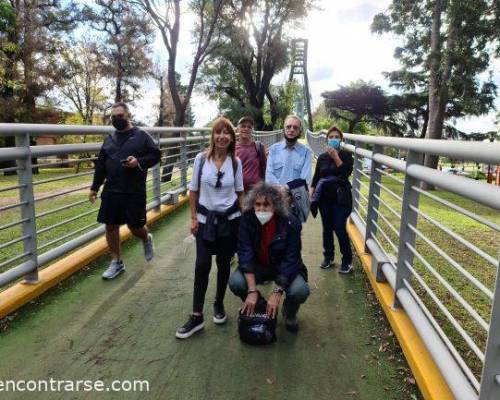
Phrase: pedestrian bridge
x=428 y=260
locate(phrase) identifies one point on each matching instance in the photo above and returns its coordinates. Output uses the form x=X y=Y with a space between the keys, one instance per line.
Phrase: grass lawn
x=484 y=237
x=68 y=228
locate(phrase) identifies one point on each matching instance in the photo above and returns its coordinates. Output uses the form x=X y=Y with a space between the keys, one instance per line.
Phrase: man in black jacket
x=123 y=162
x=269 y=248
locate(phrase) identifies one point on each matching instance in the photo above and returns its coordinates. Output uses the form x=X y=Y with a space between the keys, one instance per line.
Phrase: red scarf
x=267 y=234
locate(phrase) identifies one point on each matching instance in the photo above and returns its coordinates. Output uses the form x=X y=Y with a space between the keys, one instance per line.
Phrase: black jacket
x=325 y=166
x=284 y=251
x=118 y=146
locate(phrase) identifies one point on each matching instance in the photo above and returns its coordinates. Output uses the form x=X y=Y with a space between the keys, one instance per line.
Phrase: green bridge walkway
x=124 y=329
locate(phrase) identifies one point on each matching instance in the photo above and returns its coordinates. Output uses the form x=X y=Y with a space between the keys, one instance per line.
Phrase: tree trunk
x=352 y=125
x=423 y=132
x=440 y=68
x=274 y=109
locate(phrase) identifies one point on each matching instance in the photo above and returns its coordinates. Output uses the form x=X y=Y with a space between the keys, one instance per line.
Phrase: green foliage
x=253 y=49
x=127 y=36
x=31 y=39
x=83 y=80
x=7 y=16
x=362 y=103
x=462 y=53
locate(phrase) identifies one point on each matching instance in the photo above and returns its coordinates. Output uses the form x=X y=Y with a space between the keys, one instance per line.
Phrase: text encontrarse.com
x=64 y=385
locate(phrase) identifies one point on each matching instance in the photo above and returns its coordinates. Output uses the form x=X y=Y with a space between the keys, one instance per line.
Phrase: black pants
x=334 y=219
x=223 y=249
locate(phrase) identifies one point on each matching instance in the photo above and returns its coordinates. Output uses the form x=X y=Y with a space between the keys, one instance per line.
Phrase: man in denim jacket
x=289 y=160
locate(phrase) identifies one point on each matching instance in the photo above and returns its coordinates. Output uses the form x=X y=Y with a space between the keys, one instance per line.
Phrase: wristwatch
x=278 y=290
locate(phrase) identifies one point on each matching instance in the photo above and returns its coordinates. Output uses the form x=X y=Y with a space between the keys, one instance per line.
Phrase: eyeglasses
x=218 y=184
x=294 y=127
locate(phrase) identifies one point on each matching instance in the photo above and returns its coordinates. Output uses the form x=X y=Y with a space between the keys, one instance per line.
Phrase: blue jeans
x=334 y=219
x=296 y=293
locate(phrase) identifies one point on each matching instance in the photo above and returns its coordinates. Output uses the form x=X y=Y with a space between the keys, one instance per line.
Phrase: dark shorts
x=123 y=208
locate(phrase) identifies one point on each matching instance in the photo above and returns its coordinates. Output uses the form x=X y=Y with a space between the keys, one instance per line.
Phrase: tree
x=365 y=102
x=283 y=106
x=83 y=80
x=166 y=15
x=128 y=35
x=447 y=43
x=34 y=41
x=254 y=49
x=31 y=39
x=8 y=49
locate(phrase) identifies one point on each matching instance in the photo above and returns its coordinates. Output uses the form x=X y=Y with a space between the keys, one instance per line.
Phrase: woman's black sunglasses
x=218 y=184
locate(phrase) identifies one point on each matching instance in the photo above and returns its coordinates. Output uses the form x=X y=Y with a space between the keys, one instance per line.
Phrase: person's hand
x=332 y=152
x=92 y=196
x=194 y=226
x=273 y=304
x=249 y=304
x=131 y=162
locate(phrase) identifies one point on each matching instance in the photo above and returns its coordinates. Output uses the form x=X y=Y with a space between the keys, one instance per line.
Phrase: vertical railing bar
x=373 y=193
x=25 y=180
x=490 y=377
x=356 y=177
x=406 y=235
x=157 y=178
x=184 y=163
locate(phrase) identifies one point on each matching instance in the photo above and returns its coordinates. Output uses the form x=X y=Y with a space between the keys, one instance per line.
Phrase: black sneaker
x=193 y=325
x=220 y=316
x=327 y=263
x=345 y=269
x=291 y=325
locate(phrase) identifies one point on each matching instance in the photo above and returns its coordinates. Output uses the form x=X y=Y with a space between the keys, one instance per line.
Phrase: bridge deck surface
x=124 y=329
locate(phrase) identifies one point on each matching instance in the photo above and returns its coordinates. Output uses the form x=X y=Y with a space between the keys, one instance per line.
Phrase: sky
x=341 y=50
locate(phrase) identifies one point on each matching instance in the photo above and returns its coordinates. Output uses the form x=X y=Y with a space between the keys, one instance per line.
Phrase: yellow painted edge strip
x=429 y=379
x=19 y=294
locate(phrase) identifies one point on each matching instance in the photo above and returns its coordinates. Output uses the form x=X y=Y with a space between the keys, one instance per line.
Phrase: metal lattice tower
x=299 y=67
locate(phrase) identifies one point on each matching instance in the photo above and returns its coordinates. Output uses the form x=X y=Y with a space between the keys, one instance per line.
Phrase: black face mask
x=291 y=140
x=119 y=123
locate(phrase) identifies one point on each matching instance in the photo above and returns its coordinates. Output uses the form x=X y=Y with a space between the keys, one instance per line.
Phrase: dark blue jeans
x=334 y=219
x=296 y=294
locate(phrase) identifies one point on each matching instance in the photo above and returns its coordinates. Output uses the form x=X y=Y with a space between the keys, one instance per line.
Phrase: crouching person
x=269 y=249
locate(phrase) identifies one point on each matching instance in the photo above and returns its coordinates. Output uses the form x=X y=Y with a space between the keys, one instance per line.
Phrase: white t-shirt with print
x=216 y=199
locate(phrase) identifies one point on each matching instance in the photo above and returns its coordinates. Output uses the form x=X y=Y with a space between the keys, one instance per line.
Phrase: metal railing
x=443 y=275
x=45 y=216
x=451 y=297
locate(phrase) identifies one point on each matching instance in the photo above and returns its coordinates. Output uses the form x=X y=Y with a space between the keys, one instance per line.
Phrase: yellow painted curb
x=429 y=379
x=19 y=294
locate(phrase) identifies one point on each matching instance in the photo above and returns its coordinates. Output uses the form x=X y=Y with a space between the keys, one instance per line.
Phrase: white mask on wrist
x=263 y=216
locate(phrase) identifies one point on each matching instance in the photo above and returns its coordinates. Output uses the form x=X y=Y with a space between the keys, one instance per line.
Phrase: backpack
x=257 y=328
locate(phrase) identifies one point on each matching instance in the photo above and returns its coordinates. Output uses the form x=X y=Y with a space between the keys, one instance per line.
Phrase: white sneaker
x=114 y=269
x=149 y=248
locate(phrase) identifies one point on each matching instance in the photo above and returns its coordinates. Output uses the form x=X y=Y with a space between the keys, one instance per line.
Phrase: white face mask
x=264 y=216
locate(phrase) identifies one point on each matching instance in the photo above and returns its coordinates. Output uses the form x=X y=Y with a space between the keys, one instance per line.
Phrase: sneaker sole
x=220 y=321
x=152 y=256
x=108 y=278
x=347 y=272
x=190 y=333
